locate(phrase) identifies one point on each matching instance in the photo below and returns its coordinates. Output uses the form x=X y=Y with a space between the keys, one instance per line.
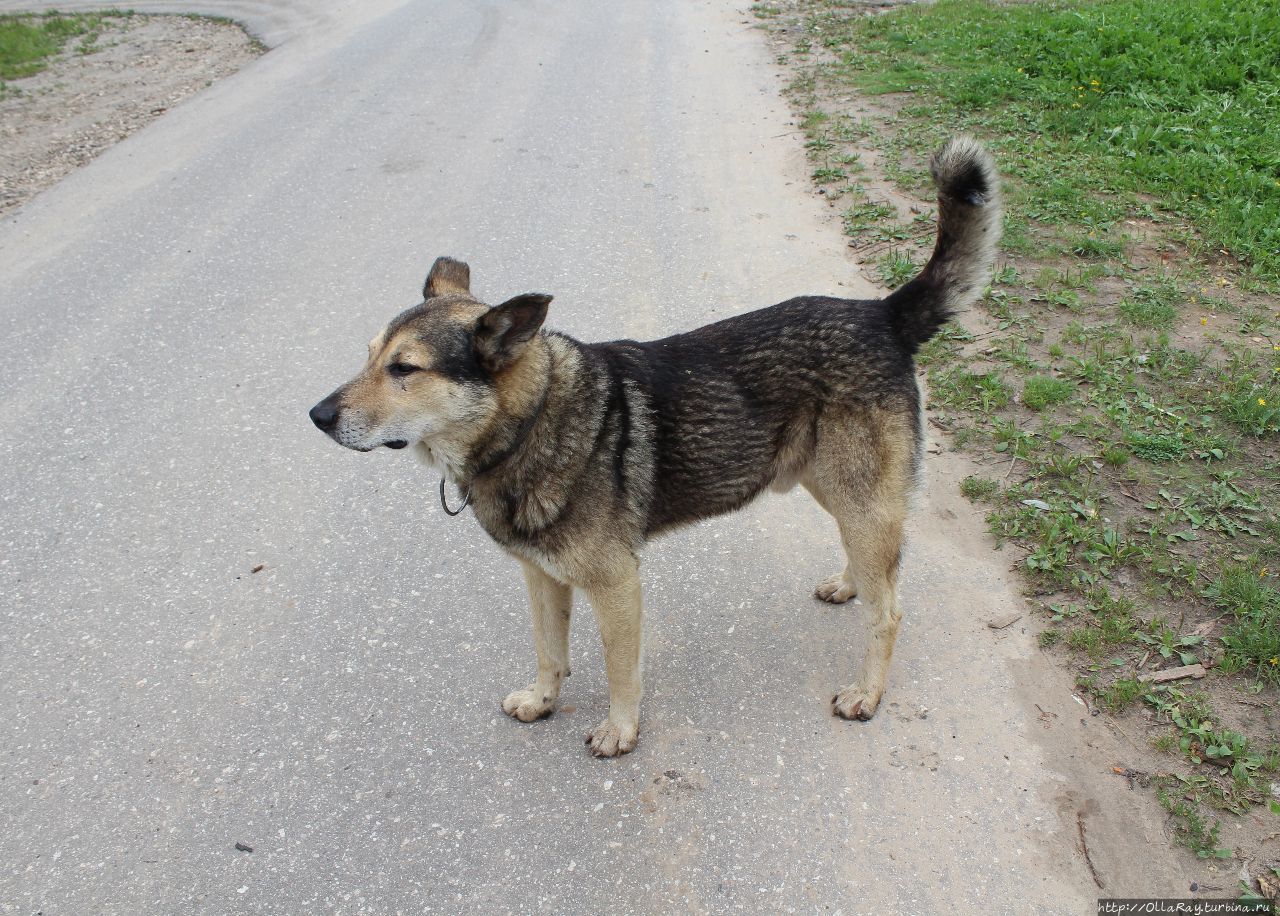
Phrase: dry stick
x=1084 y=848
x=1010 y=471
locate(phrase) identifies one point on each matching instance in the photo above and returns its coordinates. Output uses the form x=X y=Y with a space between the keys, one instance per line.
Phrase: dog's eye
x=400 y=370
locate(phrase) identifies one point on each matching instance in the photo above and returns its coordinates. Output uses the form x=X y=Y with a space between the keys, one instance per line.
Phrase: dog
x=572 y=455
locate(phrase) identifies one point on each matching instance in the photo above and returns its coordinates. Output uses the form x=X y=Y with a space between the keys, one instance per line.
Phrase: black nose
x=325 y=415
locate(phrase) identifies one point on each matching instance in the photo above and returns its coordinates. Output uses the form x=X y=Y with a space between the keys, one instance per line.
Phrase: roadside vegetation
x=1121 y=378
x=28 y=41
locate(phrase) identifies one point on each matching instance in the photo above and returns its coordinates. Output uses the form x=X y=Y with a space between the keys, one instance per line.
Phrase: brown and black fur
x=575 y=454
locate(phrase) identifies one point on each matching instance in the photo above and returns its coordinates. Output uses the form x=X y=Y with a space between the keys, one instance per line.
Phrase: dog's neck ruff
x=522 y=433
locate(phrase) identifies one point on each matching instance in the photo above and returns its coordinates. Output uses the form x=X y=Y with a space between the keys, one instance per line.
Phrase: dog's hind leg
x=876 y=540
x=620 y=615
x=866 y=490
x=552 y=603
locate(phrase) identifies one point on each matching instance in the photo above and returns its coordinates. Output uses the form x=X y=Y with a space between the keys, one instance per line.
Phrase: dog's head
x=434 y=374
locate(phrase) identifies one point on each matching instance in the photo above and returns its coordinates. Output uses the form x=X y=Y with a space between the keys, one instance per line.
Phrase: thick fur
x=576 y=454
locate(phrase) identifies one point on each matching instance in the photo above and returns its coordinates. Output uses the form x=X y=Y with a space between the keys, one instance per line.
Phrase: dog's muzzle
x=325 y=416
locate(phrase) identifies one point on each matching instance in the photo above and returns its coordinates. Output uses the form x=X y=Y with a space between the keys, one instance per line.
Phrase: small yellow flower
x=1094 y=83
x=1204 y=320
x=1275 y=660
x=1262 y=402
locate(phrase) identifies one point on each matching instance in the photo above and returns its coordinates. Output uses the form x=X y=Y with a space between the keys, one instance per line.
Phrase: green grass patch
x=1122 y=693
x=976 y=488
x=969 y=390
x=1177 y=102
x=1151 y=306
x=1041 y=391
x=27 y=41
x=1252 y=641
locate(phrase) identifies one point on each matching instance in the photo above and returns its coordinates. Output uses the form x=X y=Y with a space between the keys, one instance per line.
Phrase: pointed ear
x=503 y=331
x=447 y=276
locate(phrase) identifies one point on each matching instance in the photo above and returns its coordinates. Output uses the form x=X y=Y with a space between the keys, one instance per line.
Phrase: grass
x=1041 y=391
x=977 y=488
x=1124 y=367
x=1125 y=91
x=1252 y=641
x=28 y=41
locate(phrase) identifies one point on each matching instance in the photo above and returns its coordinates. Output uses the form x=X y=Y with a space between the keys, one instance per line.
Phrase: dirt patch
x=88 y=99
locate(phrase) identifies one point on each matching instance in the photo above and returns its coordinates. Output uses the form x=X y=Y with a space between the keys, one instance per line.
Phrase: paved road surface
x=168 y=315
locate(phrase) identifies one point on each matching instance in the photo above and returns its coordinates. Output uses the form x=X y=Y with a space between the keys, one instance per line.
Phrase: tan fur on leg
x=866 y=490
x=620 y=615
x=552 y=604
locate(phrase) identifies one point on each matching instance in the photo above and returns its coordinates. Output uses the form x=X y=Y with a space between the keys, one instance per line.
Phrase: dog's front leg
x=619 y=612
x=552 y=603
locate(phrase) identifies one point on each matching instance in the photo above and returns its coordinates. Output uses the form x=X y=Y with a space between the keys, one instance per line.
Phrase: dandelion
x=1204 y=320
x=1262 y=402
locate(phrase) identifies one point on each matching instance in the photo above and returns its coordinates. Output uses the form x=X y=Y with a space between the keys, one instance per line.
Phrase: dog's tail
x=968 y=230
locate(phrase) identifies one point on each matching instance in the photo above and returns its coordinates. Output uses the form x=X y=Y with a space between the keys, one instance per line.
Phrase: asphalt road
x=168 y=315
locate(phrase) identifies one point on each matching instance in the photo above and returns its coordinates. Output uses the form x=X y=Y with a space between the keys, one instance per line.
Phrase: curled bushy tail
x=968 y=230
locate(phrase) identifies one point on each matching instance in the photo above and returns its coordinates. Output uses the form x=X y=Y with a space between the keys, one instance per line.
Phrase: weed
x=1252 y=642
x=976 y=488
x=967 y=390
x=897 y=267
x=1114 y=456
x=1041 y=391
x=1190 y=828
x=1122 y=693
x=1151 y=306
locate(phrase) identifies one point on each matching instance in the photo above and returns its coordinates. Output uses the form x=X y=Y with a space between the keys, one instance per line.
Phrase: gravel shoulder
x=83 y=102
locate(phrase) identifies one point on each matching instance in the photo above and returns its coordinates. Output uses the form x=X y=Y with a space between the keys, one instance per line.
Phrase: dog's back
x=734 y=405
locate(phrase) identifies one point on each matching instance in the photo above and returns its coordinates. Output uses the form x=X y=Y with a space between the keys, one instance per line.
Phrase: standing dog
x=573 y=455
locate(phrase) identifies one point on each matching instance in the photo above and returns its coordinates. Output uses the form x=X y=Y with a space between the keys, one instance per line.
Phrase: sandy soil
x=140 y=66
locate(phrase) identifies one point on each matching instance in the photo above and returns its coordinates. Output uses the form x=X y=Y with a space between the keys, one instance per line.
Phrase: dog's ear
x=447 y=276
x=503 y=331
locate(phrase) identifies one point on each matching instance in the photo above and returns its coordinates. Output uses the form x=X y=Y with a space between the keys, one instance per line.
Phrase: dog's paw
x=609 y=740
x=855 y=703
x=528 y=704
x=835 y=590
